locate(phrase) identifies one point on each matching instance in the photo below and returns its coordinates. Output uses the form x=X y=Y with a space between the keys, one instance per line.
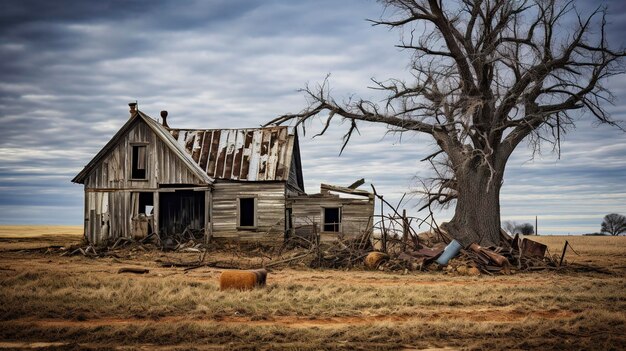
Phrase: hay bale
x=243 y=279
x=375 y=258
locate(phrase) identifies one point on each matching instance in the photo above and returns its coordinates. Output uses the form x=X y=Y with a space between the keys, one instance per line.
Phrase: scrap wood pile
x=343 y=253
x=308 y=251
x=189 y=240
x=120 y=248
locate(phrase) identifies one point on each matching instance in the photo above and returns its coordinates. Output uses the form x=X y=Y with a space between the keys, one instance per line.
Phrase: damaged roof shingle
x=240 y=154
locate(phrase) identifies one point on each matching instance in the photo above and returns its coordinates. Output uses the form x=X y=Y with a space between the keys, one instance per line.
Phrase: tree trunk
x=477 y=214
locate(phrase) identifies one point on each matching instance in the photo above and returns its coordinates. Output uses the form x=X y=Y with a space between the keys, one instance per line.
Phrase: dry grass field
x=53 y=302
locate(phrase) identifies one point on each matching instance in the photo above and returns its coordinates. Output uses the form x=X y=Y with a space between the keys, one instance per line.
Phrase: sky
x=69 y=68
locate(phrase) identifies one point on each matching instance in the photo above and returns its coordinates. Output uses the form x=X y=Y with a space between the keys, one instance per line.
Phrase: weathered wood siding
x=356 y=213
x=162 y=165
x=270 y=209
x=97 y=216
x=108 y=215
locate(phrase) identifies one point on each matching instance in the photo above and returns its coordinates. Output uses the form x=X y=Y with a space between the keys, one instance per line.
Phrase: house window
x=332 y=219
x=139 y=162
x=247 y=212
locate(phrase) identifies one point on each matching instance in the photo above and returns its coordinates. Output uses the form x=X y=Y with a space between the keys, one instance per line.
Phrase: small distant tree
x=614 y=224
x=515 y=228
x=526 y=229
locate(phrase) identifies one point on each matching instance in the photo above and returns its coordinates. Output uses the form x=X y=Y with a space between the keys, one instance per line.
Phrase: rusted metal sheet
x=490 y=255
x=240 y=154
x=533 y=249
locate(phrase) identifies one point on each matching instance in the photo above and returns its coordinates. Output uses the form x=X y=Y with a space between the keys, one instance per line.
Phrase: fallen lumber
x=194 y=265
x=272 y=264
x=133 y=270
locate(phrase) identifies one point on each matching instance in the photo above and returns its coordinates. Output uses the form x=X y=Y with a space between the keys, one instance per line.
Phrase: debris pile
x=516 y=254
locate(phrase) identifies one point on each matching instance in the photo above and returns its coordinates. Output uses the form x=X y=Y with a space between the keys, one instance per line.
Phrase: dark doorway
x=179 y=210
x=332 y=219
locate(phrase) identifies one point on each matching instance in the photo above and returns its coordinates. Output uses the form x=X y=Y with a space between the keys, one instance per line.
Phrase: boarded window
x=247 y=212
x=139 y=162
x=332 y=219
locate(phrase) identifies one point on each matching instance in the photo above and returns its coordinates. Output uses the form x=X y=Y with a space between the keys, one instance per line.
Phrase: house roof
x=258 y=154
x=253 y=154
x=161 y=132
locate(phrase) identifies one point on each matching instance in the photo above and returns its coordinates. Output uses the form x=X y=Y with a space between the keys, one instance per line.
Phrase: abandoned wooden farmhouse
x=228 y=183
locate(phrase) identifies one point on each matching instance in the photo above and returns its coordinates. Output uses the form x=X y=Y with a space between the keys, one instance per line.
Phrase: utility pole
x=536 y=227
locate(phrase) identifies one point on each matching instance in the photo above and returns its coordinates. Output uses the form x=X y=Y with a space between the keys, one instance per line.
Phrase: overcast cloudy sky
x=69 y=68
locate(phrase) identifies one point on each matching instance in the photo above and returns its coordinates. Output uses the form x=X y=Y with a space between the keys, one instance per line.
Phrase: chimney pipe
x=133 y=108
x=164 y=118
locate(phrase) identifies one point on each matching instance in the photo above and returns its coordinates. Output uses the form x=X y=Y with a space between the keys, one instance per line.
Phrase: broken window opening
x=142 y=220
x=247 y=212
x=332 y=219
x=139 y=162
x=146 y=203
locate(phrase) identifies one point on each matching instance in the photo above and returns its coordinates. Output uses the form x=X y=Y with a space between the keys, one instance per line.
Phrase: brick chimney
x=164 y=118
x=133 y=108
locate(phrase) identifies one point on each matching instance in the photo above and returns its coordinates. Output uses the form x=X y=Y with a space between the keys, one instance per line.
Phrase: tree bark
x=477 y=213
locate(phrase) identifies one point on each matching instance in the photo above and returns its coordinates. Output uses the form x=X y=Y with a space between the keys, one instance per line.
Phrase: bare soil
x=52 y=302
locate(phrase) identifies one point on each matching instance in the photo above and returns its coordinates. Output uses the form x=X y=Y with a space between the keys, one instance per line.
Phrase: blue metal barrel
x=449 y=252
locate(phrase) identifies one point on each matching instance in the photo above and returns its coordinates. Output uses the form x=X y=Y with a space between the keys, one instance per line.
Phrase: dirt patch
x=29 y=345
x=491 y=315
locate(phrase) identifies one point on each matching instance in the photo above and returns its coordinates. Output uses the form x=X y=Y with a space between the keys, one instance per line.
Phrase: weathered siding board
x=270 y=208
x=356 y=214
x=163 y=166
x=97 y=216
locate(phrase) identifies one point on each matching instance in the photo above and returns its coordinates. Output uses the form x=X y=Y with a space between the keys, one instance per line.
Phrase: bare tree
x=525 y=229
x=485 y=75
x=614 y=224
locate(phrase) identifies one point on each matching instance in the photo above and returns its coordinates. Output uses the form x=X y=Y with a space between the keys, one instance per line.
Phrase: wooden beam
x=357 y=184
x=344 y=190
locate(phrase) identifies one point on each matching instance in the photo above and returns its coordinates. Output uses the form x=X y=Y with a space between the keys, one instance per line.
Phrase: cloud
x=69 y=70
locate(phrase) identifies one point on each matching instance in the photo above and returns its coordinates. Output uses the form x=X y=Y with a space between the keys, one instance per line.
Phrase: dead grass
x=601 y=250
x=75 y=302
x=29 y=231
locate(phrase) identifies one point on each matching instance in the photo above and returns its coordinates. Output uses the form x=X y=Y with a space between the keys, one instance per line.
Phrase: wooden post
x=405 y=229
x=536 y=227
x=563 y=254
x=155 y=213
x=207 y=216
x=382 y=224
